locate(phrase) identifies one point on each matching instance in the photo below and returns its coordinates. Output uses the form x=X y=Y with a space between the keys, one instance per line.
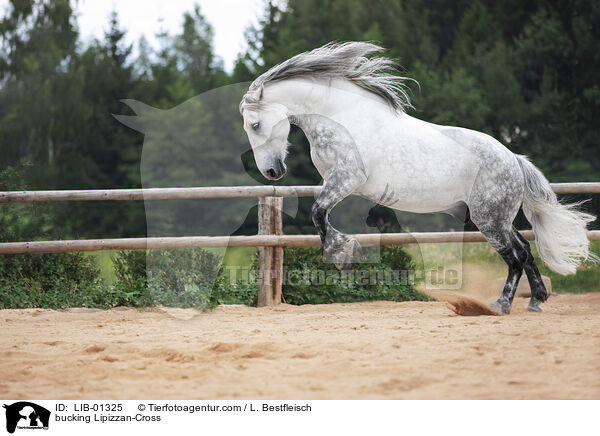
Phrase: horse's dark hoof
x=500 y=306
x=344 y=264
x=534 y=306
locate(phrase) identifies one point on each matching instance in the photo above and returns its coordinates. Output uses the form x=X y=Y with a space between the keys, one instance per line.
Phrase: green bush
x=48 y=280
x=310 y=280
x=189 y=277
x=130 y=268
x=192 y=278
x=234 y=293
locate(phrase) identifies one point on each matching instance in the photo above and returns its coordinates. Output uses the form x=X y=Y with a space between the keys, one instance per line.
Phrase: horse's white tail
x=559 y=229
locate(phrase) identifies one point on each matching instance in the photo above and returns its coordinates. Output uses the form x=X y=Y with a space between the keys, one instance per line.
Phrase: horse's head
x=267 y=127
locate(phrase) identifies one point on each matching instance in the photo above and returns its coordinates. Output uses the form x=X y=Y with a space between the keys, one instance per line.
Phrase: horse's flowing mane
x=343 y=60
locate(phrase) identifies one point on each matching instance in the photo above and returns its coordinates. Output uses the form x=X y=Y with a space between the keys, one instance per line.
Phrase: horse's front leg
x=341 y=249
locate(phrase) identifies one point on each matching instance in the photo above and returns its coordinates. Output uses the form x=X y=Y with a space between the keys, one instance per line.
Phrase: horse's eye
x=255 y=126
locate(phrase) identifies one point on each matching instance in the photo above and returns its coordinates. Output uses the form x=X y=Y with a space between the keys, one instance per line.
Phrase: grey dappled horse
x=352 y=110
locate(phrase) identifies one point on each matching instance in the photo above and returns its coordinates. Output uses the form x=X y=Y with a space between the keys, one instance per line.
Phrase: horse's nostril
x=271 y=172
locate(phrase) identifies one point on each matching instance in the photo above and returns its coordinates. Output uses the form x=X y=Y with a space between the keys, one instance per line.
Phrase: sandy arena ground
x=341 y=351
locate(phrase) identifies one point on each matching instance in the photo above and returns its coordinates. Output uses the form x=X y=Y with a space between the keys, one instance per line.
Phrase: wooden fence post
x=270 y=258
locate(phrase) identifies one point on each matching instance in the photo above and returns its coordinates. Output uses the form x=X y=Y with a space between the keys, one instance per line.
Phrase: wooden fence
x=270 y=238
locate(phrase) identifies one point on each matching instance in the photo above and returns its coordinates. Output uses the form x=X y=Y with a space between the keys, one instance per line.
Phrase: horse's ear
x=145 y=115
x=255 y=95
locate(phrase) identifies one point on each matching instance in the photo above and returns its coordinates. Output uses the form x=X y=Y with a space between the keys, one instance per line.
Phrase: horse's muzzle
x=277 y=171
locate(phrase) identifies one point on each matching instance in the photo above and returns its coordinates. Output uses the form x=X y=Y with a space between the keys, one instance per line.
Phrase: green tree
x=37 y=38
x=194 y=48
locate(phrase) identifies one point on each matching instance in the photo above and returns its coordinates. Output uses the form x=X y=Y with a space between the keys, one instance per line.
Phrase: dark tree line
x=527 y=72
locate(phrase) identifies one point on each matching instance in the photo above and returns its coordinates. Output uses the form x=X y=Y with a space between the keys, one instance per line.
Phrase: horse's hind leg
x=494 y=220
x=539 y=294
x=515 y=256
x=494 y=202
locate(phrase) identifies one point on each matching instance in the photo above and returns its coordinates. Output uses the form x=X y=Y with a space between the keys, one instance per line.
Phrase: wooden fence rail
x=365 y=239
x=270 y=240
x=213 y=192
x=159 y=193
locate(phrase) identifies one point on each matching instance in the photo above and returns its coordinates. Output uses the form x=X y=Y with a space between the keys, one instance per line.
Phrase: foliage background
x=526 y=71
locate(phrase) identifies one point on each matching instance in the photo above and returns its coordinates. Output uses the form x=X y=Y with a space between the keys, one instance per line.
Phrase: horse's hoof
x=342 y=261
x=345 y=267
x=353 y=249
x=500 y=306
x=345 y=255
x=533 y=306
